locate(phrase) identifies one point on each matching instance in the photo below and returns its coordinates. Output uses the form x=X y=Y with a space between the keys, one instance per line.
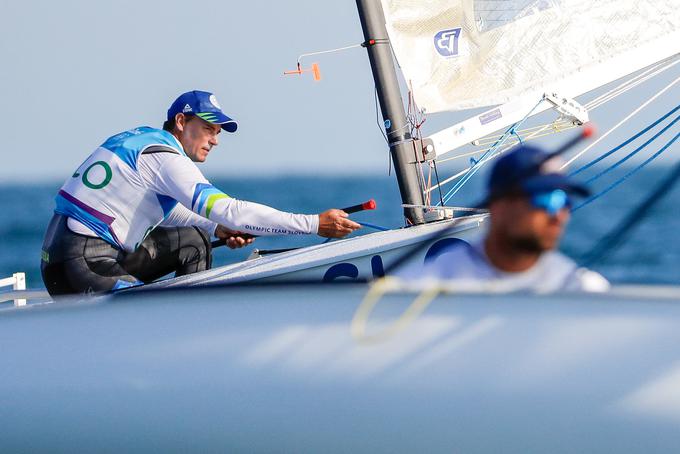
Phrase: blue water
x=651 y=255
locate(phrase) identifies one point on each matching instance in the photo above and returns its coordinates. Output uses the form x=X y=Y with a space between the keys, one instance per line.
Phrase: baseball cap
x=204 y=105
x=531 y=171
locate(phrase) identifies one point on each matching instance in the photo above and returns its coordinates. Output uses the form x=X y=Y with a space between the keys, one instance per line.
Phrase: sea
x=649 y=254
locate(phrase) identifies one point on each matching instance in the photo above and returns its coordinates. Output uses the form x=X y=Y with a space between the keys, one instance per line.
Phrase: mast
x=385 y=77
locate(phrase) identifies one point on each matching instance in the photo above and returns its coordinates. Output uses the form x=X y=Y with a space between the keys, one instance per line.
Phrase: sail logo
x=446 y=42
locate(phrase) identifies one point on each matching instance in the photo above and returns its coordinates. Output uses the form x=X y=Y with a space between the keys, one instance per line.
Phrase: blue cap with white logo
x=204 y=105
x=531 y=171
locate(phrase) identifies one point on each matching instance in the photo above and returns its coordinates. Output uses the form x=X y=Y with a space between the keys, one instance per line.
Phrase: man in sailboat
x=529 y=201
x=139 y=208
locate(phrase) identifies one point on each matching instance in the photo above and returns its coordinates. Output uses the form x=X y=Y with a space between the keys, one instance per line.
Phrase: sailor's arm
x=181 y=216
x=249 y=217
x=179 y=178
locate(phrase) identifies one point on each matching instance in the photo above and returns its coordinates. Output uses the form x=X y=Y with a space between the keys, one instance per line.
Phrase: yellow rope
x=556 y=128
x=373 y=296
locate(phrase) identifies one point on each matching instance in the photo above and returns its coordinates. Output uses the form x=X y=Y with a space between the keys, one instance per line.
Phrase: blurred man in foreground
x=529 y=201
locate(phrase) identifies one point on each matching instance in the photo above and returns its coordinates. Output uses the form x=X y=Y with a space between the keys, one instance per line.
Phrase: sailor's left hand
x=232 y=238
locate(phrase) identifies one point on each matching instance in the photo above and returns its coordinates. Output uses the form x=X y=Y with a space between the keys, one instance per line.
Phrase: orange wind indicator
x=314 y=70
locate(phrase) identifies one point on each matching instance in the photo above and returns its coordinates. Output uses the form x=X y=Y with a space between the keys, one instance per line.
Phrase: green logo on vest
x=107 y=175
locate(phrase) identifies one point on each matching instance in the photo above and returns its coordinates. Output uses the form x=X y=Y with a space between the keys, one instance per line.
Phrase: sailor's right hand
x=232 y=238
x=336 y=224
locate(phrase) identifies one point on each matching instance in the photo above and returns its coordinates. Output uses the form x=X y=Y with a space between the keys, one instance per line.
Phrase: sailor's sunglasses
x=550 y=201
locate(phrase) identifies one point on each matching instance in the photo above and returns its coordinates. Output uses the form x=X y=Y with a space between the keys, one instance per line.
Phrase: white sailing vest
x=107 y=194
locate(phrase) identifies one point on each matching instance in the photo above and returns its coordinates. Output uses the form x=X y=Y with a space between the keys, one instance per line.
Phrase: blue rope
x=491 y=151
x=481 y=161
x=519 y=138
x=623 y=144
x=632 y=153
x=621 y=232
x=372 y=226
x=626 y=176
x=475 y=166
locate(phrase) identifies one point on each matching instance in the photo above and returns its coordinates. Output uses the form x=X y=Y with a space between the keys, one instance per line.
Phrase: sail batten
x=460 y=54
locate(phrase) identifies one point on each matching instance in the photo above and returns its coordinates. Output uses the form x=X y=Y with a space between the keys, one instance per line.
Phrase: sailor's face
x=197 y=136
x=527 y=227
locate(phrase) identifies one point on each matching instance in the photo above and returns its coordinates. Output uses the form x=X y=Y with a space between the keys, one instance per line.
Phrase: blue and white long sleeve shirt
x=142 y=178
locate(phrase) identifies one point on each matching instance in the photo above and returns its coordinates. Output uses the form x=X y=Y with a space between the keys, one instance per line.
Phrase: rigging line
x=491 y=153
x=419 y=172
x=554 y=131
x=415 y=134
x=651 y=72
x=441 y=197
x=407 y=125
x=564 y=124
x=373 y=226
x=507 y=147
x=487 y=156
x=591 y=106
x=430 y=170
x=377 y=117
x=634 y=152
x=628 y=117
x=363 y=224
x=633 y=82
x=627 y=175
x=524 y=132
x=615 y=237
x=458 y=156
x=624 y=143
x=449 y=179
x=429 y=183
x=538 y=136
x=618 y=93
x=327 y=51
x=645 y=76
x=380 y=127
x=558 y=126
x=444 y=208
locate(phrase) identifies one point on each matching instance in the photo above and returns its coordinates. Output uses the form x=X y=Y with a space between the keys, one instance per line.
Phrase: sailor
x=529 y=201
x=138 y=208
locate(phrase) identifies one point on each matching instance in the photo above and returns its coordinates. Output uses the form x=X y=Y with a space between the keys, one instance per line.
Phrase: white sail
x=459 y=54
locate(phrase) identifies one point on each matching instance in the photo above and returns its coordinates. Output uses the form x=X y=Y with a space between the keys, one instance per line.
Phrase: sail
x=459 y=54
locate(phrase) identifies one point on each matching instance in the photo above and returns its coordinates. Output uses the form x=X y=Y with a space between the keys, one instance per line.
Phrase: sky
x=76 y=72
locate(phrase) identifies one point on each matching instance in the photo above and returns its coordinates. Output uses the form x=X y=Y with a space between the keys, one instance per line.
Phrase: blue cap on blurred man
x=529 y=170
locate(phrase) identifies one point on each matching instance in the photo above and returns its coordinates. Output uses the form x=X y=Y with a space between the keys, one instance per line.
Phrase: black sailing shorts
x=74 y=263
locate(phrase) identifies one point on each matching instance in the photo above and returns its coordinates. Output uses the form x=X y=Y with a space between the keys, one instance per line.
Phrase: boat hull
x=275 y=369
x=360 y=258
